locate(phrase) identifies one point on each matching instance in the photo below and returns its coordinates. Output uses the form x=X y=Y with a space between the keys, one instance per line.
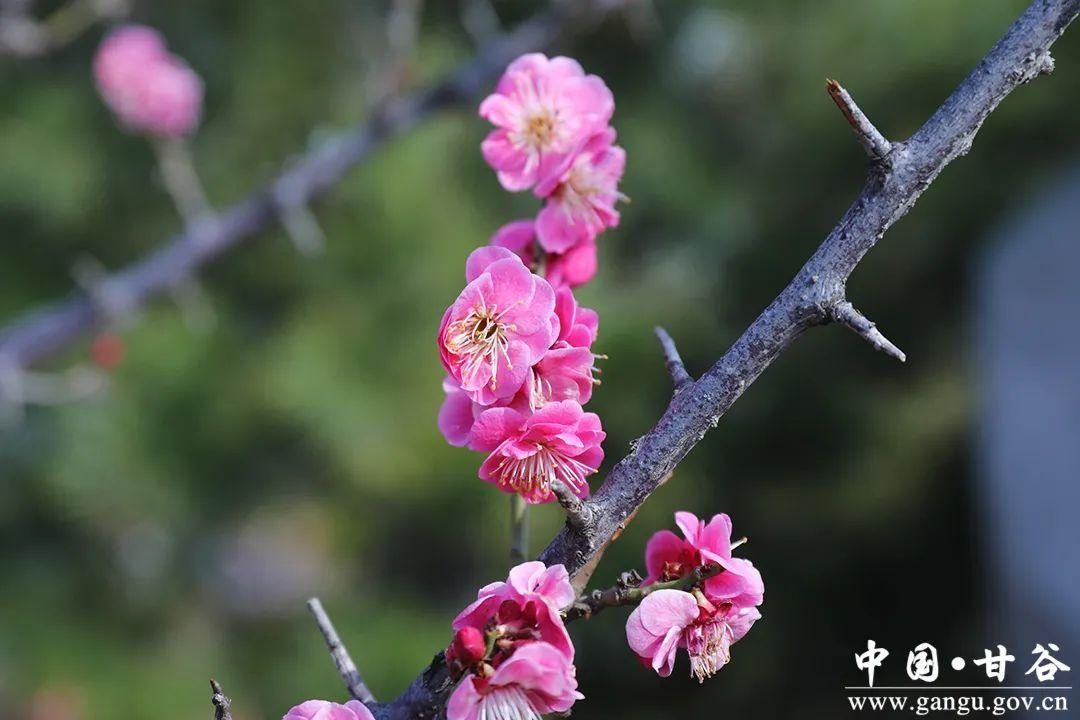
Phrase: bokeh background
x=170 y=529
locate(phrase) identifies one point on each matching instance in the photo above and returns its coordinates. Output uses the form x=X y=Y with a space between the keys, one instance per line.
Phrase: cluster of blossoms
x=512 y=659
x=516 y=346
x=150 y=90
x=705 y=619
x=511 y=653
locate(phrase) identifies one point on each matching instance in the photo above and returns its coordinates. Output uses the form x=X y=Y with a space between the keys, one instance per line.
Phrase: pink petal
x=663 y=547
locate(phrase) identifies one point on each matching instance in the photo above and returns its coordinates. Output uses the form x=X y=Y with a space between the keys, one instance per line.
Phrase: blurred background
x=170 y=528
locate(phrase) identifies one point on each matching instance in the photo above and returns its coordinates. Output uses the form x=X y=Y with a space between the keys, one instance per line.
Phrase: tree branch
x=672 y=359
x=342 y=660
x=221 y=703
x=48 y=330
x=811 y=298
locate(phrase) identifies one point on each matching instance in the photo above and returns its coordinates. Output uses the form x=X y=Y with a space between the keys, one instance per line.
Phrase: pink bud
x=469 y=646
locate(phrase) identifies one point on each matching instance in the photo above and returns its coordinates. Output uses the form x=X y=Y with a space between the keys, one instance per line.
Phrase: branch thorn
x=673 y=360
x=875 y=144
x=846 y=314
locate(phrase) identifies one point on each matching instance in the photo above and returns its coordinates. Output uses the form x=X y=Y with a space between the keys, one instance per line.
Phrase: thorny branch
x=816 y=296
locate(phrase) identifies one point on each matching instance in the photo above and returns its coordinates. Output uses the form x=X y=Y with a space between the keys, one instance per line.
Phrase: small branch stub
x=578 y=514
x=220 y=701
x=672 y=359
x=345 y=665
x=875 y=144
x=846 y=314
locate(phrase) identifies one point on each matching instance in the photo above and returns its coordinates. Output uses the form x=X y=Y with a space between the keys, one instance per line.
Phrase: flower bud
x=469 y=646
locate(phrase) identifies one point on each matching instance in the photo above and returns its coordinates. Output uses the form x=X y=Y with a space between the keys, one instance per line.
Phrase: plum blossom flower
x=323 y=710
x=566 y=371
x=534 y=681
x=559 y=442
x=524 y=608
x=667 y=620
x=706 y=619
x=669 y=557
x=581 y=201
x=149 y=89
x=543 y=110
x=501 y=324
x=572 y=268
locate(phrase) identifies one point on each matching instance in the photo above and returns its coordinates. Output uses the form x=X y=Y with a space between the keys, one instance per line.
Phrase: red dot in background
x=107 y=350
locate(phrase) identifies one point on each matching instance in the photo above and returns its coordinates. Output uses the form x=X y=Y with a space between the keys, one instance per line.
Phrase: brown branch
x=48 y=330
x=875 y=144
x=672 y=359
x=811 y=299
x=221 y=703
x=338 y=652
x=628 y=591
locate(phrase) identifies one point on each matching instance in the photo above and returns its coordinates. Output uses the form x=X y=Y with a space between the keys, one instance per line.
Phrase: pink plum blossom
x=323 y=710
x=667 y=620
x=519 y=237
x=528 y=453
x=535 y=680
x=566 y=371
x=501 y=324
x=669 y=557
x=524 y=608
x=581 y=201
x=150 y=90
x=709 y=617
x=572 y=268
x=543 y=110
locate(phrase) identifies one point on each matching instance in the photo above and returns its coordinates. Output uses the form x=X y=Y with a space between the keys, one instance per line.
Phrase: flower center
x=480 y=340
x=709 y=646
x=532 y=476
x=539 y=129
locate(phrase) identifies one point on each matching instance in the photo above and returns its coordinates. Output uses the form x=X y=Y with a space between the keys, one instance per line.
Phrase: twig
x=221 y=703
x=51 y=329
x=809 y=300
x=628 y=591
x=846 y=314
x=672 y=360
x=345 y=665
x=519 y=529
x=21 y=35
x=873 y=142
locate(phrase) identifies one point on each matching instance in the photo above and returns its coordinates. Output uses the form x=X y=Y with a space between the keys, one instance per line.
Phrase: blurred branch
x=344 y=662
x=812 y=298
x=221 y=703
x=22 y=35
x=48 y=330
